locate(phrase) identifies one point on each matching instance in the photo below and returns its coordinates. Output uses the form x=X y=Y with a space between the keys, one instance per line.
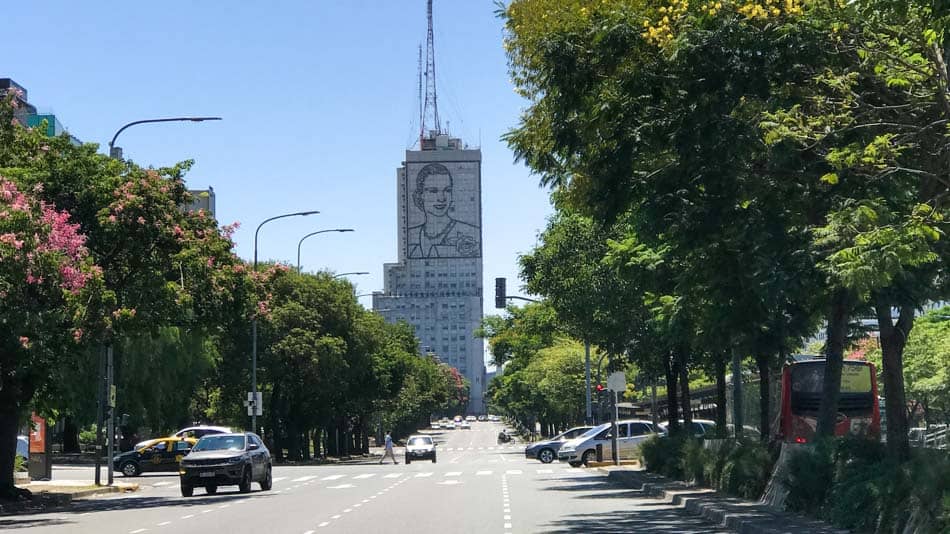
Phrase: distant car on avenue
x=465 y=425
x=420 y=447
x=235 y=459
x=162 y=454
x=200 y=431
x=546 y=451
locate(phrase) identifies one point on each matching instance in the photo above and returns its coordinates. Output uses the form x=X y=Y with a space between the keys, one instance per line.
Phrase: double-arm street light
x=116 y=152
x=106 y=366
x=313 y=234
x=253 y=403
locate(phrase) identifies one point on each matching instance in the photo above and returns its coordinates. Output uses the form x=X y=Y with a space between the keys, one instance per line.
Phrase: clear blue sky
x=319 y=100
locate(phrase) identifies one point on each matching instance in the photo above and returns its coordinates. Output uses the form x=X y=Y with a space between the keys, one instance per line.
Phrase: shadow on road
x=646 y=514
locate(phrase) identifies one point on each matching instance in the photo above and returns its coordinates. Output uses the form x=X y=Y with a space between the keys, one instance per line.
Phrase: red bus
x=858 y=409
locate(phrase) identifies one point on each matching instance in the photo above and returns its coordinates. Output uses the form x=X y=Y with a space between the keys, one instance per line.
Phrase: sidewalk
x=55 y=494
x=744 y=517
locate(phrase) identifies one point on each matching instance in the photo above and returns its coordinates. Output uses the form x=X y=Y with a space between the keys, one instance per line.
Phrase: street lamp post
x=313 y=234
x=253 y=401
x=352 y=273
x=106 y=359
x=116 y=152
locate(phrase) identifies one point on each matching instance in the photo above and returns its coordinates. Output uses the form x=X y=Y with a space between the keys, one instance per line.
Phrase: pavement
x=737 y=515
x=475 y=486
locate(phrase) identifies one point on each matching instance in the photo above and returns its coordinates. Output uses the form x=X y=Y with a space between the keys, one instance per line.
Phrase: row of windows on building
x=442 y=274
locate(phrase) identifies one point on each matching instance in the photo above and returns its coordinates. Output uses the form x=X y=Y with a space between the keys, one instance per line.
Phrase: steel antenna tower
x=430 y=107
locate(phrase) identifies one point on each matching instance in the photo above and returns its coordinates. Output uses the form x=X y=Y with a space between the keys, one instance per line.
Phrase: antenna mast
x=430 y=106
x=422 y=106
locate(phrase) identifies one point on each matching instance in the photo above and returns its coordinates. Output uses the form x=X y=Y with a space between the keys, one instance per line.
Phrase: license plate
x=207 y=474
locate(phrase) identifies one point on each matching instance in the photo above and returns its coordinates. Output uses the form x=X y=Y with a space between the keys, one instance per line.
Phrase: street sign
x=617 y=382
x=254 y=403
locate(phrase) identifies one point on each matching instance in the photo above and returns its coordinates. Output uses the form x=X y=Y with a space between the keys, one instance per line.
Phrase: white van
x=583 y=449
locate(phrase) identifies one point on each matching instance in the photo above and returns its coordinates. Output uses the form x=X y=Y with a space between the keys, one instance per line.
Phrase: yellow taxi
x=161 y=454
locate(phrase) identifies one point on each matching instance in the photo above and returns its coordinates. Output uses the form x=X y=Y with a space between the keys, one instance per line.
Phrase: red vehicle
x=858 y=409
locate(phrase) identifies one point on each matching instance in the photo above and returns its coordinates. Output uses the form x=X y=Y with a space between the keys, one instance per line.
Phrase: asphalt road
x=475 y=487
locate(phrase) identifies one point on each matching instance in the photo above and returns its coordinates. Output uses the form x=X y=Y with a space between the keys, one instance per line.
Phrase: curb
x=741 y=516
x=43 y=501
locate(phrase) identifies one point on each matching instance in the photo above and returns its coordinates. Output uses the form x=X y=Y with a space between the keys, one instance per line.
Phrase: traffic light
x=600 y=387
x=500 y=293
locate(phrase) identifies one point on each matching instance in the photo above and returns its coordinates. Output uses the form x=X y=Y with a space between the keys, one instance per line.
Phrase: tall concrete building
x=436 y=284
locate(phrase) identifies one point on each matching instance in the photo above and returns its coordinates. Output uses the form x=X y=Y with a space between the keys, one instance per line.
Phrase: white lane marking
x=304 y=479
x=278 y=479
x=332 y=477
x=372 y=496
x=482 y=473
x=137 y=531
x=348 y=510
x=507 y=518
x=491 y=448
x=507 y=510
x=224 y=506
x=325 y=523
x=206 y=511
x=545 y=471
x=157 y=484
x=341 y=486
x=453 y=473
x=357 y=505
x=393 y=475
x=189 y=516
x=471 y=448
x=367 y=475
x=423 y=475
x=513 y=472
x=507 y=525
x=163 y=523
x=451 y=482
x=308 y=532
x=337 y=516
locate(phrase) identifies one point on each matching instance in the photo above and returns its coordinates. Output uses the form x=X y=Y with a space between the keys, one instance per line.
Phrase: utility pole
x=737 y=393
x=588 y=419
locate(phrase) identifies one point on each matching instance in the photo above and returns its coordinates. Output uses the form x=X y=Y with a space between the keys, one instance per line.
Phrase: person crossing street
x=389 y=449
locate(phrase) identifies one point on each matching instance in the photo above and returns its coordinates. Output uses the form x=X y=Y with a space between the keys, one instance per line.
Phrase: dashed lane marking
x=333 y=477
x=453 y=473
x=304 y=479
x=513 y=472
x=393 y=475
x=483 y=473
x=365 y=475
x=423 y=475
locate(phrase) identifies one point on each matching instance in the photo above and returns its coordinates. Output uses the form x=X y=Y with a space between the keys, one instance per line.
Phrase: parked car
x=483 y=418
x=235 y=459
x=546 y=450
x=470 y=418
x=435 y=426
x=448 y=426
x=420 y=447
x=583 y=449
x=700 y=427
x=465 y=425
x=200 y=431
x=162 y=454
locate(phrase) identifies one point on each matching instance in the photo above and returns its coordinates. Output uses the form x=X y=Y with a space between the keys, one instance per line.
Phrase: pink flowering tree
x=163 y=266
x=48 y=300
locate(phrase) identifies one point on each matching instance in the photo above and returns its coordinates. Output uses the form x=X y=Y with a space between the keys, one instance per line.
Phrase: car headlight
x=567 y=449
x=235 y=460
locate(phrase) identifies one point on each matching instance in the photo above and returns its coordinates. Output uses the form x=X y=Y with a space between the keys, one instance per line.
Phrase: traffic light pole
x=589 y=418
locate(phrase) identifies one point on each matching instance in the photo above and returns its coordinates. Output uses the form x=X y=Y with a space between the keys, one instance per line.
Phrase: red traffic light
x=600 y=387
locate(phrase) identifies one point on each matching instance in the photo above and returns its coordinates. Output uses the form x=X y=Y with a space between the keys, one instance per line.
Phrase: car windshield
x=594 y=431
x=220 y=443
x=420 y=441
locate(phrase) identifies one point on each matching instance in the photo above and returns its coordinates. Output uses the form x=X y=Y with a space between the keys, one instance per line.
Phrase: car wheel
x=211 y=489
x=245 y=484
x=187 y=490
x=130 y=469
x=574 y=464
x=433 y=458
x=585 y=459
x=268 y=481
x=546 y=455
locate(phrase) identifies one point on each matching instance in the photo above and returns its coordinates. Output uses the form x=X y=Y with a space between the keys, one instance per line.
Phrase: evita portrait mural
x=444 y=213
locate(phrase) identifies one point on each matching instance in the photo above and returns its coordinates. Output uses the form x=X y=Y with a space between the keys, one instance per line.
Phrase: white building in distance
x=436 y=284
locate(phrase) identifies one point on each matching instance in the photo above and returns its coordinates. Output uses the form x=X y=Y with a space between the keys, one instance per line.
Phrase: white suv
x=583 y=448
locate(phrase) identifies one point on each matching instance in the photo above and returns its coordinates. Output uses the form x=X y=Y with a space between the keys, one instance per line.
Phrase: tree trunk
x=893 y=339
x=277 y=444
x=762 y=362
x=834 y=354
x=11 y=399
x=317 y=446
x=722 y=407
x=684 y=394
x=305 y=444
x=70 y=435
x=293 y=440
x=671 y=368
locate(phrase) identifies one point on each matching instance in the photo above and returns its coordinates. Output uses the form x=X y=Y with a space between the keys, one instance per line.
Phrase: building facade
x=436 y=284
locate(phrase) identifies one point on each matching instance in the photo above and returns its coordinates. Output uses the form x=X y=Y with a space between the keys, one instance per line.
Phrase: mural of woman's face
x=437 y=194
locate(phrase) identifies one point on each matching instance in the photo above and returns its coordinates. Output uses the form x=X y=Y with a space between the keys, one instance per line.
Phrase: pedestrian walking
x=389 y=449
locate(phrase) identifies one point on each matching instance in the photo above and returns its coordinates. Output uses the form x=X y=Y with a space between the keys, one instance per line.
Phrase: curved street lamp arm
x=354 y=272
x=170 y=119
x=295 y=214
x=315 y=233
